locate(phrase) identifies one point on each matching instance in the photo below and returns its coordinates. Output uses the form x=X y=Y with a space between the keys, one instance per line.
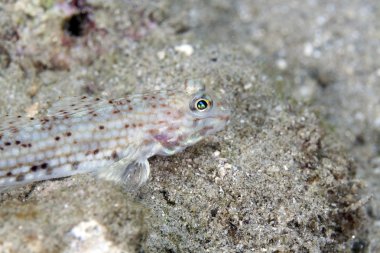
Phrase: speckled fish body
x=111 y=138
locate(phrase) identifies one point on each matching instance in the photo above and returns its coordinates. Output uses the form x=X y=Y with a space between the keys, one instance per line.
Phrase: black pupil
x=201 y=104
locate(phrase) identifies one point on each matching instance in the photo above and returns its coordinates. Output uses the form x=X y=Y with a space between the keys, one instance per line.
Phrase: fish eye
x=201 y=104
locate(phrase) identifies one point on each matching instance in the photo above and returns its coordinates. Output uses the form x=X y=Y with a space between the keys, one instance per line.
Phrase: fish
x=110 y=138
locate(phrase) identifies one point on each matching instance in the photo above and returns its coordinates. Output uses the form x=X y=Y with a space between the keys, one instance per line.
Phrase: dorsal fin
x=77 y=106
x=11 y=125
x=70 y=106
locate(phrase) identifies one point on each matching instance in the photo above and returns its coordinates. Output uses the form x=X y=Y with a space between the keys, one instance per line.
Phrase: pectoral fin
x=131 y=174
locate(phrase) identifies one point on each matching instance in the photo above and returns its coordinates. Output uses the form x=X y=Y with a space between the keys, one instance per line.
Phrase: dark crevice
x=77 y=25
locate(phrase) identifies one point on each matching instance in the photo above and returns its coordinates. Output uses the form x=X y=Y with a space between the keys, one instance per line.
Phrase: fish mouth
x=223 y=121
x=226 y=117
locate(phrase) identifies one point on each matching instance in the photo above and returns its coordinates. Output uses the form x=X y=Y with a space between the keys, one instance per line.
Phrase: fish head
x=197 y=113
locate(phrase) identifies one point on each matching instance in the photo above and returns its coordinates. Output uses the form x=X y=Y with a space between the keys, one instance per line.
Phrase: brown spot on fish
x=44 y=120
x=75 y=165
x=114 y=155
x=204 y=130
x=14 y=130
x=120 y=102
x=153 y=131
x=34 y=168
x=20 y=178
x=101 y=127
x=179 y=114
x=173 y=128
x=44 y=166
x=147 y=141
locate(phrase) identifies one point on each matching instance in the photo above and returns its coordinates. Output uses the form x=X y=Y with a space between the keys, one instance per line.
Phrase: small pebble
x=308 y=49
x=185 y=49
x=221 y=172
x=228 y=166
x=281 y=64
x=161 y=55
x=247 y=86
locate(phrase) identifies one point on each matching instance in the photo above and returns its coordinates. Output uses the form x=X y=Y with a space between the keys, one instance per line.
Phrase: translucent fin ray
x=131 y=174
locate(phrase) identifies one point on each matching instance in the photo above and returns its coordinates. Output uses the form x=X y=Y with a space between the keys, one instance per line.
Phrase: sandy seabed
x=297 y=169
